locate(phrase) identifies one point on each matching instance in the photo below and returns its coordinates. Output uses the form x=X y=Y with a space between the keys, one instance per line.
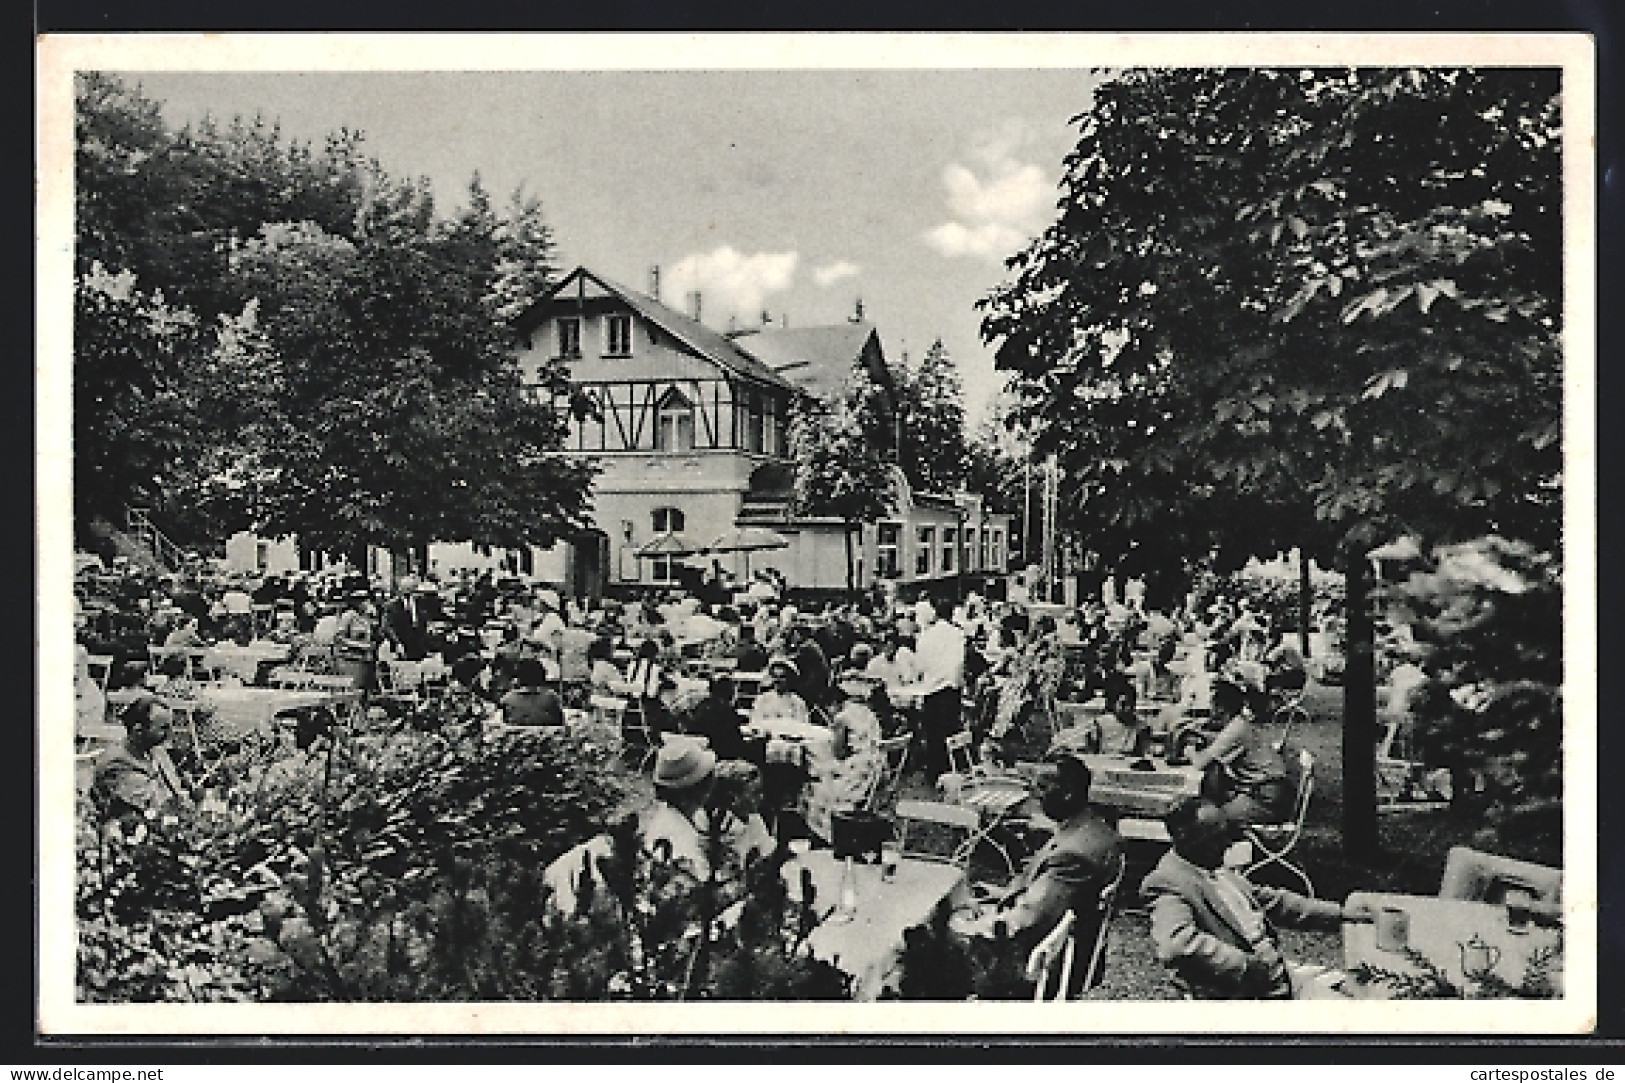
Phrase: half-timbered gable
x=648 y=379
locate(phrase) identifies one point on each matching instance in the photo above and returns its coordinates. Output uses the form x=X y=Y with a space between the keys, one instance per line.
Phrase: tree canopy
x=339 y=355
x=1300 y=308
x=1277 y=305
x=931 y=422
x=838 y=471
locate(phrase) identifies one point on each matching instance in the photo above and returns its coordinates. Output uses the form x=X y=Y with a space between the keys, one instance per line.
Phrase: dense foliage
x=1488 y=619
x=298 y=343
x=1316 y=308
x=839 y=471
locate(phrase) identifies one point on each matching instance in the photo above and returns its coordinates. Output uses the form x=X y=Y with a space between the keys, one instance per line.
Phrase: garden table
x=245 y=662
x=869 y=947
x=1152 y=793
x=819 y=740
x=1458 y=937
x=239 y=711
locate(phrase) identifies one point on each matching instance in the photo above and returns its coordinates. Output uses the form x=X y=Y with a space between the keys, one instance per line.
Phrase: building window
x=926 y=539
x=770 y=428
x=971 y=561
x=998 y=550
x=662 y=568
x=888 y=540
x=753 y=422
x=950 y=545
x=674 y=428
x=982 y=553
x=569 y=336
x=618 y=336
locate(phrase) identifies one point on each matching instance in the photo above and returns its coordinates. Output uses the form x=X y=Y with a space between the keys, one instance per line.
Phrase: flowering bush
x=407 y=862
x=1488 y=619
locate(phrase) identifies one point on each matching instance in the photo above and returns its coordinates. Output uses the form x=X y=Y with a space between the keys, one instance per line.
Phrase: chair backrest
x=1056 y=950
x=1306 y=787
x=934 y=831
x=893 y=758
x=100 y=668
x=961 y=758
x=747 y=686
x=1106 y=909
x=1474 y=875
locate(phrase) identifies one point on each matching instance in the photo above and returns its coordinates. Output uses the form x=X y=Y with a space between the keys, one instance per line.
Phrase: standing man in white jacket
x=941 y=655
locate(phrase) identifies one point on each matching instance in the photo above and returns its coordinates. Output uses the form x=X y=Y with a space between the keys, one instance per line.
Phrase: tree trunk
x=1305 y=602
x=1360 y=838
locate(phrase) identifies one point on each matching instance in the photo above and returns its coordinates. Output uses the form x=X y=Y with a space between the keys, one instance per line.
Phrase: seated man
x=1067 y=872
x=717 y=720
x=1215 y=929
x=531 y=701
x=1242 y=769
x=138 y=775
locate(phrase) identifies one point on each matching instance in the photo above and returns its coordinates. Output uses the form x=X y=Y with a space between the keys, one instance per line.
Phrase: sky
x=793 y=192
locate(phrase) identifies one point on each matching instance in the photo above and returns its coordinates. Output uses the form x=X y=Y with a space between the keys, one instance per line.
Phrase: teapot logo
x=1478 y=957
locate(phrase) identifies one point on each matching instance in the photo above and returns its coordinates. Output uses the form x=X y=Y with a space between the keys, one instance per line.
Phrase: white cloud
x=730 y=282
x=830 y=273
x=997 y=206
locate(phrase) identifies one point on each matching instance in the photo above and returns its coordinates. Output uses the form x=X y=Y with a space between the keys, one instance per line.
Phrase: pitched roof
x=818 y=360
x=698 y=337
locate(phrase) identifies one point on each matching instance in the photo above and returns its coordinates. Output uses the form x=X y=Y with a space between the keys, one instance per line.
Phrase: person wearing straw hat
x=781 y=700
x=684 y=775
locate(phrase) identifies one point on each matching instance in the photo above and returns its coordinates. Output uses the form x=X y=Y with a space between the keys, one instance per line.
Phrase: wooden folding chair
x=923 y=827
x=894 y=757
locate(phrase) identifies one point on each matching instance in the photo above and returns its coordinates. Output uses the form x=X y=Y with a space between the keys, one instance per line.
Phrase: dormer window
x=618 y=335
x=674 y=429
x=569 y=336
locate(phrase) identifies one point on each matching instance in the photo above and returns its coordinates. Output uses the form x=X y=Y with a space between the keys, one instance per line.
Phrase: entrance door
x=589 y=565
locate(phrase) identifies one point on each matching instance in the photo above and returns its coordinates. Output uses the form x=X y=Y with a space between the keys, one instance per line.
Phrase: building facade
x=690 y=431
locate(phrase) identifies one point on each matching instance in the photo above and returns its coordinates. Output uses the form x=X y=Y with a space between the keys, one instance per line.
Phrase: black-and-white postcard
x=858 y=533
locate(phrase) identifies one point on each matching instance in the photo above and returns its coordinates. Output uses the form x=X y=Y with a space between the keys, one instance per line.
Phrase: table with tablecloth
x=244 y=662
x=869 y=947
x=237 y=712
x=1456 y=936
x=819 y=741
x=1116 y=783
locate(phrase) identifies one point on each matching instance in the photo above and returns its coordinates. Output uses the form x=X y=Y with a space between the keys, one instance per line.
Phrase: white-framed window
x=971 y=556
x=569 y=336
x=888 y=543
x=950 y=547
x=754 y=425
x=618 y=335
x=674 y=423
x=661 y=569
x=770 y=428
x=925 y=538
x=998 y=549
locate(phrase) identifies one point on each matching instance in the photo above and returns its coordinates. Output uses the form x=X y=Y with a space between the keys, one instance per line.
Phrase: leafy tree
x=837 y=470
x=334 y=359
x=131 y=425
x=1309 y=308
x=931 y=422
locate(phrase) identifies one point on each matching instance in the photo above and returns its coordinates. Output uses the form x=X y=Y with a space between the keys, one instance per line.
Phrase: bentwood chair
x=1059 y=948
x=1276 y=841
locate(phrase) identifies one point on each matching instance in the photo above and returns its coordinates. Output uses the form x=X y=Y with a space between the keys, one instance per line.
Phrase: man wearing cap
x=941 y=656
x=1069 y=871
x=406 y=621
